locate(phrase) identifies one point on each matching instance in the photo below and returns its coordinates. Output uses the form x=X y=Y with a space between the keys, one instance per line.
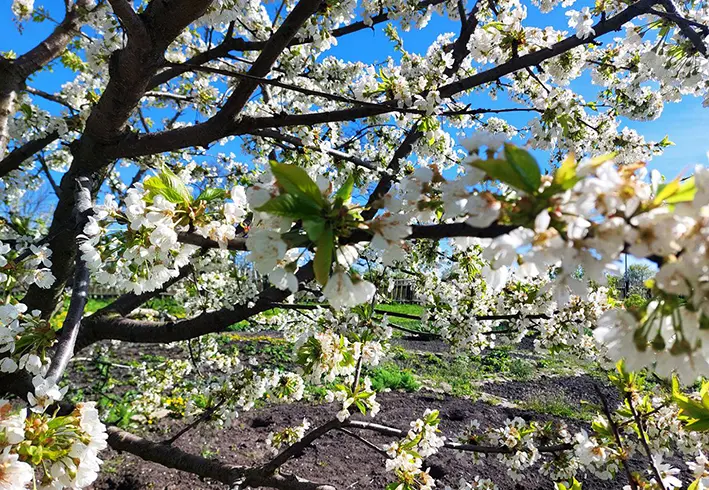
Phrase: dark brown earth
x=346 y=463
x=336 y=459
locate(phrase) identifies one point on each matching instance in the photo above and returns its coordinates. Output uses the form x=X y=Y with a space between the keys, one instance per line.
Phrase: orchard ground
x=498 y=384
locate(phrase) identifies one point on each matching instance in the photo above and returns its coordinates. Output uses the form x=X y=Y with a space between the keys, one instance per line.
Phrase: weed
x=455 y=373
x=315 y=393
x=394 y=378
x=209 y=453
x=496 y=361
x=521 y=369
x=558 y=405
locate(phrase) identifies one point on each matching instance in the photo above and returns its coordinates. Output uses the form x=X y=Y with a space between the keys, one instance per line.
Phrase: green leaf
x=525 y=165
x=694 y=485
x=685 y=193
x=665 y=142
x=156 y=187
x=699 y=425
x=296 y=181
x=314 y=228
x=344 y=193
x=291 y=206
x=175 y=185
x=323 y=256
x=168 y=185
x=501 y=170
x=565 y=177
x=665 y=191
x=362 y=407
x=211 y=195
x=296 y=239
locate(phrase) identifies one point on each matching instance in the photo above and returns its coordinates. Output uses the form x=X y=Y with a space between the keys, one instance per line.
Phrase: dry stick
x=643 y=439
x=616 y=434
x=358 y=372
x=364 y=441
x=422 y=335
x=80 y=288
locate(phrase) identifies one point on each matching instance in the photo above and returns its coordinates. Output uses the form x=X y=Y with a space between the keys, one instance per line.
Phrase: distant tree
x=636 y=276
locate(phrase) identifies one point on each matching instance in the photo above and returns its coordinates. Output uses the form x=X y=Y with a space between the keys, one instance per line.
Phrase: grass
x=558 y=405
x=162 y=304
x=408 y=309
x=456 y=374
x=521 y=369
x=390 y=376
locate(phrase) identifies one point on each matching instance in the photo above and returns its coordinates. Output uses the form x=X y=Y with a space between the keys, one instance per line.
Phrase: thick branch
x=298 y=447
x=99 y=328
x=686 y=27
x=276 y=44
x=433 y=232
x=79 y=294
x=16 y=157
x=392 y=169
x=130 y=20
x=130 y=70
x=128 y=302
x=172 y=457
x=13 y=74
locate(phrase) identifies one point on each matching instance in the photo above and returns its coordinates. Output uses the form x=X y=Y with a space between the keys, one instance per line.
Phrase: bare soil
x=336 y=459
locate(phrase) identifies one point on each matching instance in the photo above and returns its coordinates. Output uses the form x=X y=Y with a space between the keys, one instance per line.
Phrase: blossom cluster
x=287 y=436
x=50 y=451
x=406 y=456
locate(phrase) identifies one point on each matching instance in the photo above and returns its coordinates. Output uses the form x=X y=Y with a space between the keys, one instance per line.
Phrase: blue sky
x=686 y=122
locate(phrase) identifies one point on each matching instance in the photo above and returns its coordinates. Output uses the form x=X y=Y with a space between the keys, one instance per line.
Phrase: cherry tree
x=200 y=143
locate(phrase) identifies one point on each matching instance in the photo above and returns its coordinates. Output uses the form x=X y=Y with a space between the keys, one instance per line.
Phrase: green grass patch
x=558 y=405
x=454 y=374
x=408 y=309
x=95 y=304
x=390 y=376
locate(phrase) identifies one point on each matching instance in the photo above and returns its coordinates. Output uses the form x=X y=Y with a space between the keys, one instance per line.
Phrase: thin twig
x=204 y=416
x=643 y=439
x=616 y=434
x=364 y=441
